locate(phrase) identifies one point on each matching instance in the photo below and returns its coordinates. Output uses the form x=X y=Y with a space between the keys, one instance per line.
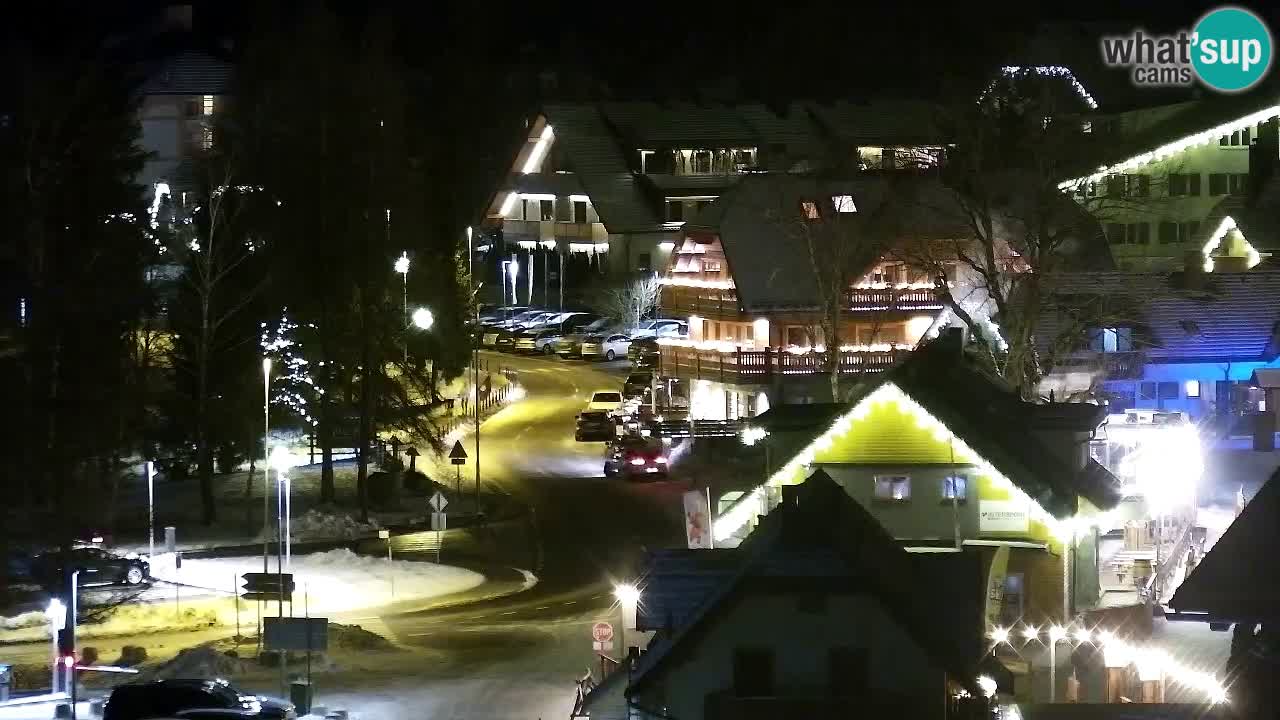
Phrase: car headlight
x=637 y=461
x=660 y=460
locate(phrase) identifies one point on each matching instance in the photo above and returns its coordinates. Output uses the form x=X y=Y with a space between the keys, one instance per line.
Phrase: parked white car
x=660 y=329
x=609 y=401
x=609 y=347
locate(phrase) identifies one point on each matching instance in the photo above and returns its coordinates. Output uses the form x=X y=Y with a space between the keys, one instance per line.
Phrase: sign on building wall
x=1003 y=516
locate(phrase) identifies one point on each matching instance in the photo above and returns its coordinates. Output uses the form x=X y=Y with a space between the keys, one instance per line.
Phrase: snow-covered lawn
x=333 y=581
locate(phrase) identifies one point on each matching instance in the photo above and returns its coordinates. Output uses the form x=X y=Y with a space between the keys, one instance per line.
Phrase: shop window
x=675 y=210
x=1237 y=183
x=1147 y=391
x=893 y=488
x=1192 y=388
x=797 y=335
x=1168 y=391
x=955 y=487
x=809 y=210
x=1217 y=183
x=1015 y=593
x=548 y=209
x=580 y=211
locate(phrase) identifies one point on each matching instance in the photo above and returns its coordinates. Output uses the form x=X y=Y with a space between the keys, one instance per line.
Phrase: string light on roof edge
x=1059 y=71
x=742 y=511
x=1203 y=137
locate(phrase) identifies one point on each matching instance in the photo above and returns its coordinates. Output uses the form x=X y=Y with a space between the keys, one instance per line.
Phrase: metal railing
x=761 y=365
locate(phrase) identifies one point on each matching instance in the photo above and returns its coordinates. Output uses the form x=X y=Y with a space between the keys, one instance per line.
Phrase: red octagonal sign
x=602 y=632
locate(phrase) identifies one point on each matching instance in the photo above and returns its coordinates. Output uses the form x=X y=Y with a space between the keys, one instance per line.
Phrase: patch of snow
x=321 y=525
x=24 y=620
x=333 y=581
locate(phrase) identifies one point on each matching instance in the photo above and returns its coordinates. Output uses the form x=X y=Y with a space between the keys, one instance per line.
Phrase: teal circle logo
x=1231 y=49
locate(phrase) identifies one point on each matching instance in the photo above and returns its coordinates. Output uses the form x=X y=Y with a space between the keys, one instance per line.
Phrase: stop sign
x=602 y=632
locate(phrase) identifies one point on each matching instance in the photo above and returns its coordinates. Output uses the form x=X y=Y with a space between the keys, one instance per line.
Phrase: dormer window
x=1112 y=339
x=809 y=210
x=843 y=204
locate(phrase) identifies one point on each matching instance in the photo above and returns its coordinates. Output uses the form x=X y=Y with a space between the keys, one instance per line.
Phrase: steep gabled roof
x=820 y=538
x=1231 y=317
x=759 y=224
x=1236 y=580
x=986 y=414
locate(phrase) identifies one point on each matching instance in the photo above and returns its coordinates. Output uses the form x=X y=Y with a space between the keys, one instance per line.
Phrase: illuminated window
x=893 y=488
x=206 y=105
x=1192 y=387
x=809 y=210
x=955 y=487
x=548 y=208
x=844 y=203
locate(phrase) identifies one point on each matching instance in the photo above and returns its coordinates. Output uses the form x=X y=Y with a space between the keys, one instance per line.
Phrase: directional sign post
x=267 y=586
x=438 y=503
x=458 y=457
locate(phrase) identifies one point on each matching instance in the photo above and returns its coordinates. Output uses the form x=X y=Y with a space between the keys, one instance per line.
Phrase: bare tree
x=630 y=301
x=841 y=241
x=214 y=256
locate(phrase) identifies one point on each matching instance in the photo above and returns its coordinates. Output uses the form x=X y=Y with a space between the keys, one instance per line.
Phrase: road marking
x=543 y=607
x=570 y=602
x=369 y=617
x=509 y=612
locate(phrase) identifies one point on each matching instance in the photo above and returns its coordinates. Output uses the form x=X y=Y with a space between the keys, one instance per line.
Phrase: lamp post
x=151 y=510
x=628 y=596
x=1056 y=634
x=282 y=460
x=266 y=456
x=402 y=267
x=57 y=615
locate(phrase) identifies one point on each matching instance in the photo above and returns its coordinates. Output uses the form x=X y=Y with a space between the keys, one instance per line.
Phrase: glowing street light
x=402 y=263
x=423 y=319
x=999 y=635
x=1030 y=632
x=628 y=596
x=402 y=267
x=56 y=614
x=1083 y=635
x=282 y=460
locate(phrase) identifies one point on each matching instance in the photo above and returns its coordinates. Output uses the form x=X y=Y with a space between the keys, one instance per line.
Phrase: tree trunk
x=366 y=409
x=203 y=460
x=324 y=430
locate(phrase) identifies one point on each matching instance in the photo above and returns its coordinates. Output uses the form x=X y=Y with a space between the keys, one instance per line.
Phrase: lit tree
x=630 y=301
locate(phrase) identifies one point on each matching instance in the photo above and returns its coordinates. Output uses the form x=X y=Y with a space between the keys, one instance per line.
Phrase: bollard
x=170 y=538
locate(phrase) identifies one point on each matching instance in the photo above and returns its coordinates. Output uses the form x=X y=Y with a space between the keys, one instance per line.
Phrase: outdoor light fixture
x=751 y=435
x=1030 y=632
x=402 y=263
x=627 y=594
x=423 y=319
x=1056 y=633
x=1000 y=635
x=987 y=685
x=1083 y=635
x=282 y=459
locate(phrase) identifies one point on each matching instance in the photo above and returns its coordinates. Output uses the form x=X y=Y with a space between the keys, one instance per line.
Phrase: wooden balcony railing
x=1116 y=365
x=870 y=300
x=760 y=366
x=723 y=303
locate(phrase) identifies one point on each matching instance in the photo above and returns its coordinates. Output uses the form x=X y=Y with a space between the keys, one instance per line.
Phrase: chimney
x=1264 y=153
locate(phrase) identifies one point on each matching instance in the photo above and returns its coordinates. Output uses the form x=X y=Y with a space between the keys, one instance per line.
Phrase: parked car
x=643 y=353
x=518 y=319
x=637 y=386
x=571 y=344
x=96 y=566
x=536 y=341
x=548 y=339
x=195 y=699
x=660 y=328
x=632 y=456
x=594 y=425
x=498 y=314
x=608 y=347
x=506 y=341
x=609 y=401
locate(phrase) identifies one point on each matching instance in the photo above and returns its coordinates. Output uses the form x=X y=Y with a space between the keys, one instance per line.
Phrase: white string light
x=1152 y=663
x=889 y=393
x=1203 y=137
x=689 y=282
x=1009 y=71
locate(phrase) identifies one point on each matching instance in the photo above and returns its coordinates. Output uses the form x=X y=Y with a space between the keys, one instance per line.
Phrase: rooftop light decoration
x=752 y=503
x=1057 y=71
x=693 y=283
x=1204 y=137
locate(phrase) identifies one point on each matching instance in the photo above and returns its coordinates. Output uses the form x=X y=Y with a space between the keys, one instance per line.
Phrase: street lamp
x=423 y=319
x=282 y=460
x=999 y=635
x=56 y=613
x=628 y=596
x=402 y=267
x=1056 y=635
x=266 y=456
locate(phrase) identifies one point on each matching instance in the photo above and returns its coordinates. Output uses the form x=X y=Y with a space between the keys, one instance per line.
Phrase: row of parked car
x=577 y=334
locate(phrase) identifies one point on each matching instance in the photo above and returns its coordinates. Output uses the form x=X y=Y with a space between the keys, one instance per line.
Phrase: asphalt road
x=518 y=657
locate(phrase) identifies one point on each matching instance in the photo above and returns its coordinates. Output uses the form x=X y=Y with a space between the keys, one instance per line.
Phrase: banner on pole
x=697 y=520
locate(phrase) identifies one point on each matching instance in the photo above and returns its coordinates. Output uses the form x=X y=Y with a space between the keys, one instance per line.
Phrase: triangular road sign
x=457 y=453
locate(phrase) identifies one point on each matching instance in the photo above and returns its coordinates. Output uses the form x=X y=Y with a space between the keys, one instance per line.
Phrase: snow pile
x=334 y=581
x=201 y=661
x=25 y=620
x=322 y=525
x=354 y=637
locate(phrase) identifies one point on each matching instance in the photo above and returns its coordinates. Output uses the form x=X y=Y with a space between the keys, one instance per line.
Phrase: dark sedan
x=636 y=457
x=96 y=566
x=194 y=698
x=595 y=425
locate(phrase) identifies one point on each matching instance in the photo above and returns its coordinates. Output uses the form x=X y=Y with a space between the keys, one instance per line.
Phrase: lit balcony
x=711 y=361
x=893 y=298
x=552 y=230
